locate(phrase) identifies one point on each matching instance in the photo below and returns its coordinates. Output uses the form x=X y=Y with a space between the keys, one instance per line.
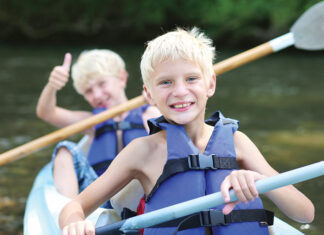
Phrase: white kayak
x=45 y=203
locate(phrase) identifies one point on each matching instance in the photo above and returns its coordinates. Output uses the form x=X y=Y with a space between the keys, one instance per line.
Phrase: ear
x=212 y=86
x=147 y=95
x=123 y=78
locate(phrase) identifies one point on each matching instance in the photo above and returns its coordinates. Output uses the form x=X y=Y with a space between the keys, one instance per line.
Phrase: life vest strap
x=193 y=162
x=202 y=162
x=101 y=166
x=124 y=125
x=212 y=217
x=127 y=213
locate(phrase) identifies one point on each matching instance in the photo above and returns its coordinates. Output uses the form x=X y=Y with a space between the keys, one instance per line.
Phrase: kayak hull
x=44 y=204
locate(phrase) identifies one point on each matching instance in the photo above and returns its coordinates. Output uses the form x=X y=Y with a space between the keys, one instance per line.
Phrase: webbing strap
x=101 y=165
x=193 y=162
x=127 y=213
x=124 y=125
x=210 y=218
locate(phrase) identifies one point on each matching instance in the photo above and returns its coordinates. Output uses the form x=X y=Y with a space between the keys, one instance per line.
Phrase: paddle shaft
x=63 y=133
x=211 y=200
x=255 y=53
x=56 y=136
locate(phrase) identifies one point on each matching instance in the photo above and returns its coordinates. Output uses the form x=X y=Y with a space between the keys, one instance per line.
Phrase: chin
x=180 y=121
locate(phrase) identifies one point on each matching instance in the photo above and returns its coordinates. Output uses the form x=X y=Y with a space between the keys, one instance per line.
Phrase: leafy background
x=233 y=23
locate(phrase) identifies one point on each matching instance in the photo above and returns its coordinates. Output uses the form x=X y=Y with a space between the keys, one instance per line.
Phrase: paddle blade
x=308 y=30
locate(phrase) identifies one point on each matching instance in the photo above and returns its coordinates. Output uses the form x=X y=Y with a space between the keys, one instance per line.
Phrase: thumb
x=229 y=207
x=67 y=62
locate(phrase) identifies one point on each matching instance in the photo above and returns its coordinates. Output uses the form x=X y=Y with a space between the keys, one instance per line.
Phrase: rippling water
x=278 y=99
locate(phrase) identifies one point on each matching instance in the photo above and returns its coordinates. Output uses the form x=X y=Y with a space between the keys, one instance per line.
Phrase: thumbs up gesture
x=60 y=74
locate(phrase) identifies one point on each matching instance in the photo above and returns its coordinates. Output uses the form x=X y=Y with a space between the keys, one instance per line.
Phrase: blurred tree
x=233 y=22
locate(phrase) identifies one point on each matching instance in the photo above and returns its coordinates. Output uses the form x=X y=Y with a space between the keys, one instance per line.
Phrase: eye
x=191 y=79
x=87 y=91
x=102 y=83
x=165 y=82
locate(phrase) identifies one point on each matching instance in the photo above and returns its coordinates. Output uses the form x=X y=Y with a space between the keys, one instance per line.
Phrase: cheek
x=118 y=83
x=88 y=97
x=89 y=100
x=109 y=89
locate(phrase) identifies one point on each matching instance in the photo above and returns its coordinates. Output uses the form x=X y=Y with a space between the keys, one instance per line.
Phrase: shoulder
x=239 y=136
x=143 y=152
x=241 y=140
x=151 y=112
x=148 y=144
x=244 y=146
x=249 y=156
x=145 y=144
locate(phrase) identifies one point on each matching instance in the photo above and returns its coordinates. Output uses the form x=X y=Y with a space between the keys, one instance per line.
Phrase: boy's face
x=180 y=91
x=106 y=91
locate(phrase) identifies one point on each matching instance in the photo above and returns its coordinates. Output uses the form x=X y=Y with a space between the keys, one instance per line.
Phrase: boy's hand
x=243 y=184
x=60 y=74
x=79 y=228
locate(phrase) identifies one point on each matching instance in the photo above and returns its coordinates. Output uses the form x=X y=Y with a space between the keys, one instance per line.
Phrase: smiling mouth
x=181 y=106
x=102 y=104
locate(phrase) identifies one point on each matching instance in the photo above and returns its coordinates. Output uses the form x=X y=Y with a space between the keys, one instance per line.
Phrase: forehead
x=94 y=80
x=170 y=68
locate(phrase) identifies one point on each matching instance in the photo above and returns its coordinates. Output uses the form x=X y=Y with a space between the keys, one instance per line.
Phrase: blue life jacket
x=201 y=178
x=103 y=148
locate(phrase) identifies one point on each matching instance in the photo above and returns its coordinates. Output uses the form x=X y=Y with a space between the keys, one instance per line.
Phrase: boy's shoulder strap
x=218 y=118
x=154 y=124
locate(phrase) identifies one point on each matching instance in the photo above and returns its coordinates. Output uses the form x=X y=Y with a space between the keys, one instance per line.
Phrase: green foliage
x=231 y=21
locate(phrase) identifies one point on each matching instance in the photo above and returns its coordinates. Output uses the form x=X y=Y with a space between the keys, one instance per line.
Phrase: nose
x=97 y=93
x=180 y=89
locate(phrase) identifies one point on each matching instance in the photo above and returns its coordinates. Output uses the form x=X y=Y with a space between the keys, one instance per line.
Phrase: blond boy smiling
x=178 y=78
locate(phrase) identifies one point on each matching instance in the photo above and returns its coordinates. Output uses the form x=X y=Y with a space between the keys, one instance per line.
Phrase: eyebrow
x=167 y=76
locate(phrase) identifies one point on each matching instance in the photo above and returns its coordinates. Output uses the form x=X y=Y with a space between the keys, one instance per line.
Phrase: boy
x=184 y=157
x=100 y=76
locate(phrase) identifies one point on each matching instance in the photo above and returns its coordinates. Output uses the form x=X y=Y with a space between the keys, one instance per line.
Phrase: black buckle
x=124 y=125
x=201 y=161
x=211 y=218
x=115 y=126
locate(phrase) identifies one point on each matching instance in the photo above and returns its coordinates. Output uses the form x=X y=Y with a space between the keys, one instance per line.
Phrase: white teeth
x=179 y=106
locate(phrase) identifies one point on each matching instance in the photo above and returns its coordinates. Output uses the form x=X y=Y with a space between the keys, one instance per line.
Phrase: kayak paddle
x=212 y=200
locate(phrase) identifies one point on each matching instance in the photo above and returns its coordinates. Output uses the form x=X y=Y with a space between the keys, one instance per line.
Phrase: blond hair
x=95 y=64
x=179 y=44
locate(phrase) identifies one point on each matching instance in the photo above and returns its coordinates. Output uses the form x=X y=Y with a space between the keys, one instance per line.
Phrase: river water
x=278 y=99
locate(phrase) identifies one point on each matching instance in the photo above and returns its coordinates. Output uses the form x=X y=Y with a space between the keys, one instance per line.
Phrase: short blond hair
x=191 y=45
x=94 y=64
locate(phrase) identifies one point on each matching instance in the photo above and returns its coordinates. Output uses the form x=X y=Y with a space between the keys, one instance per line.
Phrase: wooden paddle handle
x=243 y=58
x=63 y=133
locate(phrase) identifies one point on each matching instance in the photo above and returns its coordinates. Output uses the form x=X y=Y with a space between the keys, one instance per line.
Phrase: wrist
x=51 y=87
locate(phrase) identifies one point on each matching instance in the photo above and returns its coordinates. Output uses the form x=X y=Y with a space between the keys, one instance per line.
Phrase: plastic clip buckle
x=211 y=218
x=124 y=125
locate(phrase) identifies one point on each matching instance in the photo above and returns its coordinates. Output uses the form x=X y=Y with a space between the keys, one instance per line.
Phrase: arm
x=122 y=170
x=288 y=199
x=47 y=108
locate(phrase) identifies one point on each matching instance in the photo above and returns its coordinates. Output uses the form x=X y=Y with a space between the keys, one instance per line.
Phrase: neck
x=123 y=99
x=199 y=133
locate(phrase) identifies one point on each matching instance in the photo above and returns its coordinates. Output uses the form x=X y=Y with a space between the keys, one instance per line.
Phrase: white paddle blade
x=308 y=30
